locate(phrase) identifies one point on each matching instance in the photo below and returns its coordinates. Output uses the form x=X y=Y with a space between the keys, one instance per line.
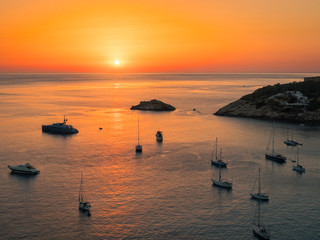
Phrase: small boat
x=59 y=128
x=259 y=230
x=298 y=167
x=24 y=169
x=218 y=162
x=221 y=182
x=259 y=195
x=291 y=142
x=277 y=157
x=138 y=147
x=84 y=205
x=159 y=136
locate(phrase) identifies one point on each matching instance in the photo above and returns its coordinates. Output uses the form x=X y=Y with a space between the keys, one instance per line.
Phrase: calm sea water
x=165 y=192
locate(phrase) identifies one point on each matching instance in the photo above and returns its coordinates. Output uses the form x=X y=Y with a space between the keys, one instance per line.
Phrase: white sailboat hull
x=299 y=169
x=260 y=196
x=85 y=206
x=261 y=232
x=219 y=163
x=223 y=183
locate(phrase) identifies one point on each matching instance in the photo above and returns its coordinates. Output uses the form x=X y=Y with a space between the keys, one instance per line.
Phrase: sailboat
x=259 y=195
x=291 y=142
x=259 y=230
x=217 y=161
x=83 y=203
x=221 y=182
x=273 y=155
x=138 y=147
x=298 y=167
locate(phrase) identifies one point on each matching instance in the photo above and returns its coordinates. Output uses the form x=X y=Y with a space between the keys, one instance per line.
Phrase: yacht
x=60 y=128
x=258 y=229
x=138 y=147
x=291 y=142
x=298 y=167
x=277 y=157
x=159 y=136
x=220 y=182
x=259 y=195
x=24 y=169
x=84 y=205
x=217 y=161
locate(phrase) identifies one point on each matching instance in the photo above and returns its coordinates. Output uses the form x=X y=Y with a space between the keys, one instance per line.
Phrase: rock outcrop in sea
x=153 y=105
x=296 y=101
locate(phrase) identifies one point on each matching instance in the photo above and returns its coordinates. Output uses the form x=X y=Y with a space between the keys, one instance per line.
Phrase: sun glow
x=116 y=62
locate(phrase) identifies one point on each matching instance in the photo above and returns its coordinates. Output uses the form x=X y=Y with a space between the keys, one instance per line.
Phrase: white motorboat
x=221 y=182
x=259 y=195
x=24 y=169
x=159 y=136
x=84 y=205
x=59 y=128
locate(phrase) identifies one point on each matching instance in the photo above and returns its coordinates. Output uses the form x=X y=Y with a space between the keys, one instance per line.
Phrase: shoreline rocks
x=153 y=105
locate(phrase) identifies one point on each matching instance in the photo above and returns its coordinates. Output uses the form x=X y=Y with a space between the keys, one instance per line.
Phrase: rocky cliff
x=297 y=101
x=153 y=105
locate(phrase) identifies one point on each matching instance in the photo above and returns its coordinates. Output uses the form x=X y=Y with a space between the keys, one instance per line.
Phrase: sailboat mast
x=138 y=133
x=259 y=183
x=212 y=152
x=80 y=191
x=259 y=214
x=216 y=148
x=272 y=139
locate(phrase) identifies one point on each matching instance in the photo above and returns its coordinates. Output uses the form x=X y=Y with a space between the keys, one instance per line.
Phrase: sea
x=165 y=192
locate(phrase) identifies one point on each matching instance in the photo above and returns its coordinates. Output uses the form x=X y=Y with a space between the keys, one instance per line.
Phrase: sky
x=159 y=36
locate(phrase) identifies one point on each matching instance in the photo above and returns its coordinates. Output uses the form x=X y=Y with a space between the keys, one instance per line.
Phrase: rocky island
x=153 y=105
x=296 y=101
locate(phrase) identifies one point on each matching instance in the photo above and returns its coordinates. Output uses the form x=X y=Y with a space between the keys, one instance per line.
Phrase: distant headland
x=153 y=105
x=296 y=101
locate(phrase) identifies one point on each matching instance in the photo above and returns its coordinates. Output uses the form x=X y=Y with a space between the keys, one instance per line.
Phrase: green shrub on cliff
x=311 y=89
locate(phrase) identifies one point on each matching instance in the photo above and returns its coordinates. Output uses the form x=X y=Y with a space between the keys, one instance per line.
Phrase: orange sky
x=159 y=36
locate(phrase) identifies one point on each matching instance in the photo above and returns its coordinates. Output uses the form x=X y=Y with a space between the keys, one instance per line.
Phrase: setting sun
x=116 y=62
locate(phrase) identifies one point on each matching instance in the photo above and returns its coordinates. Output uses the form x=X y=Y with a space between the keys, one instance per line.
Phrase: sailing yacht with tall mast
x=273 y=155
x=138 y=147
x=259 y=195
x=298 y=167
x=259 y=230
x=221 y=182
x=291 y=142
x=84 y=205
x=218 y=162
